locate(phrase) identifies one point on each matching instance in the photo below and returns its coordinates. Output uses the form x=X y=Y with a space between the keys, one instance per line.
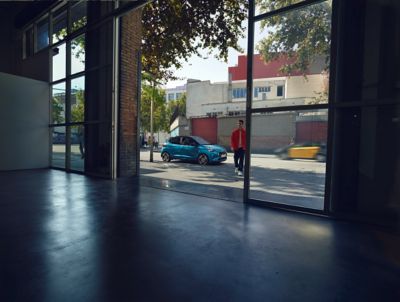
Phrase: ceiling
x=24 y=11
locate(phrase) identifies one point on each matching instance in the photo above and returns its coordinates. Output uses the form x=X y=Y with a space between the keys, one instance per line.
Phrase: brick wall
x=128 y=107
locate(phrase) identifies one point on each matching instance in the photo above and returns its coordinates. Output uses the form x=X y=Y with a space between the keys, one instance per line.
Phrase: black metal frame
x=250 y=111
x=67 y=79
x=116 y=13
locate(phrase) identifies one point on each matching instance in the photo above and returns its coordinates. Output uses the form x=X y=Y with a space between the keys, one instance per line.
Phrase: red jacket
x=235 y=139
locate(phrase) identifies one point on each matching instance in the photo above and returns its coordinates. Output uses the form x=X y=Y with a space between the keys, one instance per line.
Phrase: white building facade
x=206 y=99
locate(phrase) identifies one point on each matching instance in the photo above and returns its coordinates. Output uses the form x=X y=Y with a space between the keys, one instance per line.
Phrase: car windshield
x=200 y=140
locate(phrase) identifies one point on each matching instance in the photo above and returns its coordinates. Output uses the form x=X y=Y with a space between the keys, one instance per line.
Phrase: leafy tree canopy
x=301 y=35
x=160 y=119
x=173 y=30
x=78 y=110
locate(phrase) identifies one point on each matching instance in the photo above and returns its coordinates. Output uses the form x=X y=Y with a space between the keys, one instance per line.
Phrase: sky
x=211 y=68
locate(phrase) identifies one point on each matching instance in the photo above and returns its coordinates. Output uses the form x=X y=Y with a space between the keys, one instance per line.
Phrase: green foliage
x=57 y=110
x=173 y=30
x=78 y=110
x=302 y=35
x=176 y=108
x=78 y=44
x=160 y=120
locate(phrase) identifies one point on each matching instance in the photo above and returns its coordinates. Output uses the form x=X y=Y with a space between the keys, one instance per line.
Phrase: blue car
x=192 y=148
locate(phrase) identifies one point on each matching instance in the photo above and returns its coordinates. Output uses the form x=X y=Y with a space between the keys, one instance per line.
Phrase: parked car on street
x=193 y=148
x=316 y=151
x=59 y=138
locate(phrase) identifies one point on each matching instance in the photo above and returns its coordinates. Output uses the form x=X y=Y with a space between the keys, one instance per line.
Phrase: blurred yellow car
x=314 y=151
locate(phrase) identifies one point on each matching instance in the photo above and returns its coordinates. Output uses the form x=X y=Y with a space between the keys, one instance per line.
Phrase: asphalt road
x=293 y=182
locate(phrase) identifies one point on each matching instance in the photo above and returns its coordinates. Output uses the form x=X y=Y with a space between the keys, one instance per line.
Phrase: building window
x=42 y=34
x=261 y=89
x=178 y=95
x=279 y=91
x=59 y=25
x=78 y=16
x=239 y=93
x=171 y=96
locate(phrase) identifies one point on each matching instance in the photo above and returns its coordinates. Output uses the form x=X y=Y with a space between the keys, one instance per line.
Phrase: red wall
x=260 y=68
x=206 y=128
x=311 y=132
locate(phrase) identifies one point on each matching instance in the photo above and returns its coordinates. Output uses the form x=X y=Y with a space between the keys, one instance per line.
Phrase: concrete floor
x=67 y=237
x=292 y=182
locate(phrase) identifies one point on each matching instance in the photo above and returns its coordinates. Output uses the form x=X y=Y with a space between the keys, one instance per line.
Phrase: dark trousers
x=238 y=157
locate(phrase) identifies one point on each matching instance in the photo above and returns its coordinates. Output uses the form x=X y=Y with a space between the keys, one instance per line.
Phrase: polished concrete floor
x=67 y=237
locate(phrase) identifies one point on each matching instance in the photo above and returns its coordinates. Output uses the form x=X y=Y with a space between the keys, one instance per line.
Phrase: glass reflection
x=288 y=158
x=58 y=147
x=78 y=16
x=77 y=147
x=59 y=62
x=59 y=25
x=42 y=34
x=78 y=99
x=265 y=6
x=78 y=54
x=291 y=61
x=58 y=104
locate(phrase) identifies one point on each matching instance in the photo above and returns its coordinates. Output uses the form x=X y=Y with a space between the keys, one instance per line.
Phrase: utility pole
x=151 y=121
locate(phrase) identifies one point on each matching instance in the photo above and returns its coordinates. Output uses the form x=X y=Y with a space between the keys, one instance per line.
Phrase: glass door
x=287 y=103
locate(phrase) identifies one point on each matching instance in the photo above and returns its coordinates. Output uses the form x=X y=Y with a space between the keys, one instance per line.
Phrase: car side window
x=174 y=140
x=192 y=142
x=186 y=141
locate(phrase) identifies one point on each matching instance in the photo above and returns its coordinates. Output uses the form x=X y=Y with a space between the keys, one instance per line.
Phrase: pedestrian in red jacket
x=238 y=146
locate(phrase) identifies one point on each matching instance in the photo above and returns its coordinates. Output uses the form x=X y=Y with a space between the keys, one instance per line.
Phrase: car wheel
x=320 y=157
x=165 y=156
x=284 y=155
x=202 y=159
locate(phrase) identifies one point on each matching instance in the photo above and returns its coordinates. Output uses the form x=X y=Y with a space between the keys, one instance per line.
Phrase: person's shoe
x=240 y=173
x=236 y=170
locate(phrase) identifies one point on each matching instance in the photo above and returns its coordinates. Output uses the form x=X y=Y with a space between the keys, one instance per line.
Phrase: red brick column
x=128 y=153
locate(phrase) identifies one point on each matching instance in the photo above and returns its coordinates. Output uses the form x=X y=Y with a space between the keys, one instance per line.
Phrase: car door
x=174 y=147
x=188 y=148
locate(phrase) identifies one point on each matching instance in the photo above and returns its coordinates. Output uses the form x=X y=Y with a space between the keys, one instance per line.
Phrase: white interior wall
x=24 y=120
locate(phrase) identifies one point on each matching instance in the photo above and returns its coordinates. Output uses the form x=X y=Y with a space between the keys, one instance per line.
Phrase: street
x=292 y=182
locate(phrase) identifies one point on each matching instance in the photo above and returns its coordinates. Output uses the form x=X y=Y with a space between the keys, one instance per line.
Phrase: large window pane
x=58 y=104
x=58 y=147
x=77 y=148
x=42 y=31
x=291 y=62
x=78 y=54
x=59 y=25
x=265 y=6
x=78 y=99
x=288 y=158
x=59 y=62
x=78 y=16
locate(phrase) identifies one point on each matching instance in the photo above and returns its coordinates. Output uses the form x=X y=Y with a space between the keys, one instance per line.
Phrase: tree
x=173 y=30
x=78 y=110
x=301 y=35
x=57 y=111
x=160 y=122
x=176 y=108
